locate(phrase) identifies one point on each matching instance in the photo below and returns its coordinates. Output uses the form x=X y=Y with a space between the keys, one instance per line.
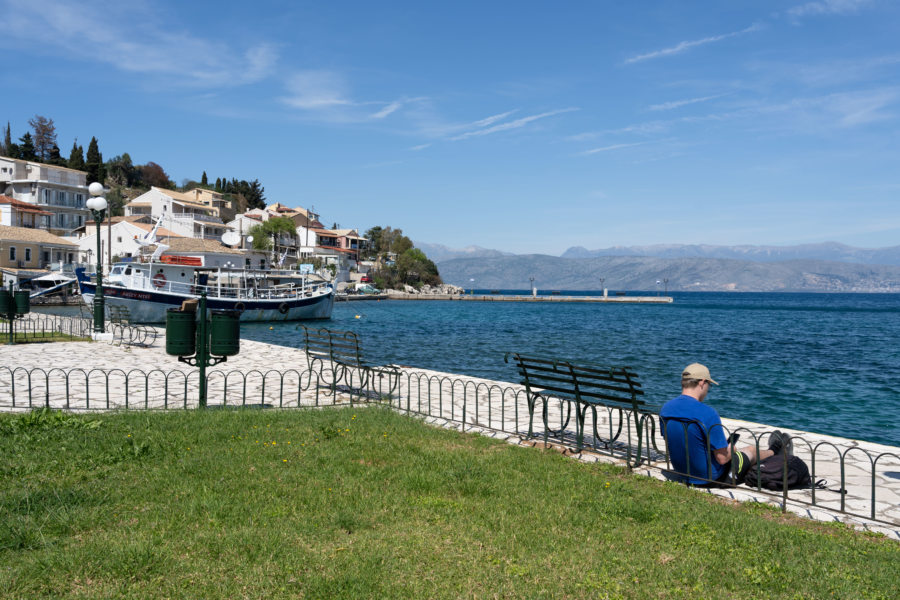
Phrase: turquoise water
x=820 y=362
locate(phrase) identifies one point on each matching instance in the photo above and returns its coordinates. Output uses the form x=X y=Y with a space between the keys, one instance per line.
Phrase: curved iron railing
x=39 y=326
x=466 y=402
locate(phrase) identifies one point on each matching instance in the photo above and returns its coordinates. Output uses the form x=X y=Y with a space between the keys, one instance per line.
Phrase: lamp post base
x=98 y=336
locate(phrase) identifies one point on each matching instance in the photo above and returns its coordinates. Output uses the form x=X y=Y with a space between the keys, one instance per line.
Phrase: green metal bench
x=339 y=353
x=118 y=314
x=580 y=387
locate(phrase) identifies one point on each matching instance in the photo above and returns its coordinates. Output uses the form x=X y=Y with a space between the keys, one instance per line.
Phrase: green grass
x=364 y=503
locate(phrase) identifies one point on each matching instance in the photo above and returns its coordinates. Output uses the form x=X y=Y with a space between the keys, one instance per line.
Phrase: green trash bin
x=224 y=332
x=23 y=302
x=181 y=332
x=5 y=303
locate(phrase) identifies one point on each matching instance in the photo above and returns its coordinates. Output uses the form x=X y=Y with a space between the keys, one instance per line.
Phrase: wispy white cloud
x=511 y=124
x=680 y=103
x=686 y=45
x=131 y=37
x=493 y=119
x=828 y=7
x=420 y=147
x=613 y=147
x=387 y=110
x=315 y=90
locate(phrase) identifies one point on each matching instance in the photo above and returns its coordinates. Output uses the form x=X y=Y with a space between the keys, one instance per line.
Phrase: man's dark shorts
x=740 y=466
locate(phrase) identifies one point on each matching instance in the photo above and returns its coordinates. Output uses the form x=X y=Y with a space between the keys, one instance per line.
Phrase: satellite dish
x=231 y=238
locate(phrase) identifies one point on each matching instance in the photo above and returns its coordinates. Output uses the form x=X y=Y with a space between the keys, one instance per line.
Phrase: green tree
x=7 y=142
x=414 y=268
x=55 y=158
x=120 y=171
x=44 y=136
x=373 y=235
x=276 y=226
x=94 y=162
x=218 y=184
x=76 y=157
x=204 y=181
x=26 y=148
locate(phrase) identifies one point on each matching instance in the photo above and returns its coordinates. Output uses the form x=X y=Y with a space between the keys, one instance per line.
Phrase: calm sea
x=818 y=362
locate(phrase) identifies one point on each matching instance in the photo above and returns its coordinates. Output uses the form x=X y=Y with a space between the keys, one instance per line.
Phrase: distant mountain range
x=438 y=253
x=682 y=274
x=831 y=251
x=826 y=267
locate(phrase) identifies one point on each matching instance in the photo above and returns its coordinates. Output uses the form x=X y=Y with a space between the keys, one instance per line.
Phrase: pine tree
x=76 y=157
x=55 y=158
x=94 y=162
x=26 y=150
x=44 y=136
x=203 y=180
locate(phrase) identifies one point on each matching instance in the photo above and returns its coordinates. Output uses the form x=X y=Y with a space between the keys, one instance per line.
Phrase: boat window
x=116 y=271
x=128 y=270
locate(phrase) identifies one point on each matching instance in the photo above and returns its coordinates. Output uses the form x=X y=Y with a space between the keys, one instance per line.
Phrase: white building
x=118 y=240
x=58 y=190
x=189 y=214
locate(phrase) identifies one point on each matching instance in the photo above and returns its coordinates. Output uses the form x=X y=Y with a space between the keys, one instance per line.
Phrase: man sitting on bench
x=687 y=416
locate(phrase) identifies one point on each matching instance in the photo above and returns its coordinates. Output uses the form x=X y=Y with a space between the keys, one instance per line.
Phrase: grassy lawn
x=364 y=503
x=40 y=337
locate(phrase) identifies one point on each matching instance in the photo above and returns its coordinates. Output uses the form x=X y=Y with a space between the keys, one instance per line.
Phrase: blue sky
x=523 y=126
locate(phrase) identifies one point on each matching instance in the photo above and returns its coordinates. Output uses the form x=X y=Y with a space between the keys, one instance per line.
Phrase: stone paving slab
x=278 y=376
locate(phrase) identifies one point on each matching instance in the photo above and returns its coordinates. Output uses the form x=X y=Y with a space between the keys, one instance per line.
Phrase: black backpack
x=771 y=474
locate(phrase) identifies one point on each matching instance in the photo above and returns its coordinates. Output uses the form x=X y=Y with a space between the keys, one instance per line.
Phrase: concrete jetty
x=58 y=373
x=524 y=298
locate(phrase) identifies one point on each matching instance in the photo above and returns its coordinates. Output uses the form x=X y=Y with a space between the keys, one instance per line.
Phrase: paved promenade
x=74 y=375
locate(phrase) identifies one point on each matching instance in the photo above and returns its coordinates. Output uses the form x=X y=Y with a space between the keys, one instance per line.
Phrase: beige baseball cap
x=697 y=371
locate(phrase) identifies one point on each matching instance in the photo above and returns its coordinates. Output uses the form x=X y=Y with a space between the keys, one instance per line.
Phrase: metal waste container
x=5 y=302
x=23 y=302
x=224 y=332
x=181 y=332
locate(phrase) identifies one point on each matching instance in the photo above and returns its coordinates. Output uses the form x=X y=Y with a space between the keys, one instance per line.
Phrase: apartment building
x=188 y=214
x=59 y=191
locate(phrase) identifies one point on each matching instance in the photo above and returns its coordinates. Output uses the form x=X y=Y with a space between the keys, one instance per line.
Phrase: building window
x=80 y=220
x=45 y=256
x=28 y=255
x=79 y=200
x=262 y=263
x=119 y=239
x=46 y=196
x=246 y=262
x=12 y=253
x=70 y=257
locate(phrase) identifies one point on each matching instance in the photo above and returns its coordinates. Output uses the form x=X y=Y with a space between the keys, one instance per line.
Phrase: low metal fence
x=860 y=480
x=35 y=327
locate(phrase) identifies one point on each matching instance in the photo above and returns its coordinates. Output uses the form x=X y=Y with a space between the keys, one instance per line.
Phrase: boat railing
x=250 y=293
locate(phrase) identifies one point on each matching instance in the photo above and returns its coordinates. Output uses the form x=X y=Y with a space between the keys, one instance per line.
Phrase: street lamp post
x=97 y=205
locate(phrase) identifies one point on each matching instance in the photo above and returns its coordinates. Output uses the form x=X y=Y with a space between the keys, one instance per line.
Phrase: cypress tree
x=203 y=180
x=7 y=142
x=26 y=150
x=218 y=184
x=94 y=162
x=76 y=157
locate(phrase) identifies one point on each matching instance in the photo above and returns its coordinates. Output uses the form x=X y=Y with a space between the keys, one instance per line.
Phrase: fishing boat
x=147 y=289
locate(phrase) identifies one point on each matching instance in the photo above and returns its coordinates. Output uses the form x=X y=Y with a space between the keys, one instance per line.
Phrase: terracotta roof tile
x=25 y=234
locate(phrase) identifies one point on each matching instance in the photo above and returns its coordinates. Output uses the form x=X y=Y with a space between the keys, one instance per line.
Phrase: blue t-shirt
x=685 y=414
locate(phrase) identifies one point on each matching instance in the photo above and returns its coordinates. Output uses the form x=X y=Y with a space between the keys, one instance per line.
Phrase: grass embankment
x=364 y=503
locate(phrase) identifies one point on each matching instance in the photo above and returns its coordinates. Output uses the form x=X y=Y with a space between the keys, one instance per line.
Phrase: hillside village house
x=197 y=213
x=58 y=190
x=26 y=253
